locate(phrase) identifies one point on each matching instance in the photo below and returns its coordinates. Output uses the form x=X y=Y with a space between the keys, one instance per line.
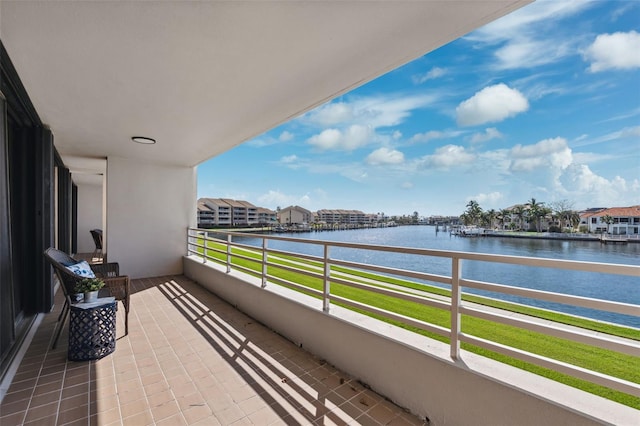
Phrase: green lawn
x=601 y=360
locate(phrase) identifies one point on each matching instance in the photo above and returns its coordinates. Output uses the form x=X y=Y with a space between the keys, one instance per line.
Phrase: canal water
x=601 y=286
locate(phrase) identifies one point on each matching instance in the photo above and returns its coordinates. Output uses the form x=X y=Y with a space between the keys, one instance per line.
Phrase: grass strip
x=586 y=356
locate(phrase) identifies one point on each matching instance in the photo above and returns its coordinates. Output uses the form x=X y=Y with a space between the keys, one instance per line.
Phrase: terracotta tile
x=46 y=388
x=23 y=385
x=175 y=420
x=382 y=413
x=132 y=408
x=44 y=399
x=25 y=375
x=158 y=387
x=159 y=398
x=140 y=419
x=264 y=416
x=183 y=389
x=56 y=377
x=14 y=407
x=166 y=365
x=14 y=419
x=42 y=412
x=197 y=413
x=131 y=394
x=108 y=417
x=73 y=415
x=43 y=421
x=12 y=397
x=82 y=389
x=165 y=410
x=251 y=405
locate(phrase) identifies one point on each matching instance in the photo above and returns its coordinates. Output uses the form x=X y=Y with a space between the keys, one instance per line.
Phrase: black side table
x=92 y=330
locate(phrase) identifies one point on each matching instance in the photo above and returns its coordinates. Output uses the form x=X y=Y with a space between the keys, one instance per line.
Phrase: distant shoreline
x=605 y=239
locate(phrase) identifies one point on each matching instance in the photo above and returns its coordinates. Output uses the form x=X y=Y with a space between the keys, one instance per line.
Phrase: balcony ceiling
x=203 y=77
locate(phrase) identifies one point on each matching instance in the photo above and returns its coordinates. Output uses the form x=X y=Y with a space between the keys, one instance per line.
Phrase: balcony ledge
x=411 y=370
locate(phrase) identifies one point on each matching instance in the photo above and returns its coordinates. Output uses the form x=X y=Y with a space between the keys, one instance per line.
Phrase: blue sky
x=543 y=103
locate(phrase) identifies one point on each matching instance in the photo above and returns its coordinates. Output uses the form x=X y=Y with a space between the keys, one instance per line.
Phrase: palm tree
x=608 y=220
x=532 y=212
x=519 y=211
x=543 y=213
x=474 y=211
x=536 y=211
x=504 y=215
x=573 y=218
x=491 y=216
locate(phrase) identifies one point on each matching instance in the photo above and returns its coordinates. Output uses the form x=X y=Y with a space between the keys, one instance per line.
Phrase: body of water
x=601 y=286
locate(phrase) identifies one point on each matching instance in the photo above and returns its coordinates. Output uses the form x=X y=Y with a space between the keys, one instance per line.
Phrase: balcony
x=189 y=358
x=258 y=280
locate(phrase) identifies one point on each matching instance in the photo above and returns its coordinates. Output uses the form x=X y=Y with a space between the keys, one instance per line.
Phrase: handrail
x=323 y=269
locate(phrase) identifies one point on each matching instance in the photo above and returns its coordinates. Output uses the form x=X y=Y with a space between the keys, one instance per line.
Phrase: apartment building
x=351 y=217
x=227 y=212
x=295 y=215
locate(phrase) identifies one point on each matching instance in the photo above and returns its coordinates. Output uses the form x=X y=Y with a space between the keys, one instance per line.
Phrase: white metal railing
x=199 y=244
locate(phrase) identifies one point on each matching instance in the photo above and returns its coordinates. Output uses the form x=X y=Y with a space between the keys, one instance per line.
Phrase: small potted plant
x=90 y=287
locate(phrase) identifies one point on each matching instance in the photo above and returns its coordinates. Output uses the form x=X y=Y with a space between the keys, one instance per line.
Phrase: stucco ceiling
x=202 y=77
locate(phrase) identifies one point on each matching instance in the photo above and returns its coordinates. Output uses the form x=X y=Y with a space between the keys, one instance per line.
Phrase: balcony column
x=149 y=206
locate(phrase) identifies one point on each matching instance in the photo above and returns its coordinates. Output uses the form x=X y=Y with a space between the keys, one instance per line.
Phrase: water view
x=602 y=286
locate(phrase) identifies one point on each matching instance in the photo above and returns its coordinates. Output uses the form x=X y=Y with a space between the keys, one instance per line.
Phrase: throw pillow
x=82 y=268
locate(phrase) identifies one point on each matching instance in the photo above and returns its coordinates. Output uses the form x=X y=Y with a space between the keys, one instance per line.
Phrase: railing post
x=228 y=253
x=327 y=284
x=456 y=272
x=188 y=238
x=205 y=235
x=264 y=262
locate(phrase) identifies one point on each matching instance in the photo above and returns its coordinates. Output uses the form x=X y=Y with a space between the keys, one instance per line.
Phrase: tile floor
x=189 y=358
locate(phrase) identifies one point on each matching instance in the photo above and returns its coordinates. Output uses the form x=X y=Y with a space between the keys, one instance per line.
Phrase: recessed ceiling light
x=143 y=140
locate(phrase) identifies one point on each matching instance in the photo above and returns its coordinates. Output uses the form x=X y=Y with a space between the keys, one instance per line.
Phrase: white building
x=623 y=220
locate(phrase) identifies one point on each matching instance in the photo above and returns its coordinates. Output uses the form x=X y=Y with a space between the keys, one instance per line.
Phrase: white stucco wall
x=149 y=208
x=89 y=215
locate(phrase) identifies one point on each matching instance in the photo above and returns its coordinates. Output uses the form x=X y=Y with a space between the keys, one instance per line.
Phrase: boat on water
x=468 y=231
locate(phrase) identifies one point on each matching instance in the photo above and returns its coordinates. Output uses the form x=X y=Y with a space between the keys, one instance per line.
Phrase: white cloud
x=625 y=133
x=275 y=198
x=433 y=73
x=515 y=24
x=385 y=156
x=523 y=38
x=278 y=198
x=487 y=135
x=490 y=200
x=285 y=136
x=580 y=181
x=331 y=114
x=291 y=161
x=376 y=111
x=617 y=51
x=547 y=153
x=406 y=185
x=527 y=53
x=396 y=135
x=491 y=104
x=353 y=137
x=448 y=156
x=434 y=134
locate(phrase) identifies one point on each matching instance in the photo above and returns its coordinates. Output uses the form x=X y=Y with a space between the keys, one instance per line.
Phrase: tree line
x=559 y=215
